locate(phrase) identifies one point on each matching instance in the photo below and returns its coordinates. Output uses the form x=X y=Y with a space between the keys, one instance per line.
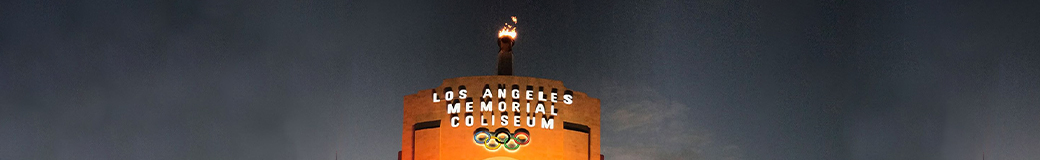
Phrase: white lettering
x=469 y=120
x=547 y=124
x=501 y=93
x=539 y=108
x=516 y=107
x=487 y=93
x=530 y=121
x=485 y=106
x=454 y=121
x=528 y=111
x=552 y=97
x=469 y=107
x=453 y=109
x=567 y=99
x=488 y=114
x=552 y=109
x=484 y=122
x=448 y=95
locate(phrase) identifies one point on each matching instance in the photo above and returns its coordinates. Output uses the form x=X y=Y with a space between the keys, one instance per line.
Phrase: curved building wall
x=433 y=129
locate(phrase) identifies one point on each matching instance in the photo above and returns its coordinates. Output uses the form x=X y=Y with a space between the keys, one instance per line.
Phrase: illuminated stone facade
x=500 y=118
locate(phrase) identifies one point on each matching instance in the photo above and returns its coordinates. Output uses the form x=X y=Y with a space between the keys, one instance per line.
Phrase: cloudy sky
x=715 y=79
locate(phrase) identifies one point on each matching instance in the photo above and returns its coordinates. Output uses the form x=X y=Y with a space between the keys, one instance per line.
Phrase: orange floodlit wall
x=500 y=118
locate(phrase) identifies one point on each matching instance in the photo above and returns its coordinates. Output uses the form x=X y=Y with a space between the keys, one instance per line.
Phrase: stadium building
x=500 y=117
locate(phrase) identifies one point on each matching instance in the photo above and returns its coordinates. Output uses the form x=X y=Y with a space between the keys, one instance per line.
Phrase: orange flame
x=508 y=30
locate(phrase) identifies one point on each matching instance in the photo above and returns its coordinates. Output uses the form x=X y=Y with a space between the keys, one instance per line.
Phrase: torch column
x=506 y=37
x=505 y=55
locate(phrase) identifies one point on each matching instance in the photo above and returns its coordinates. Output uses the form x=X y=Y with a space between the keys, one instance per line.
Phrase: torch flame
x=508 y=30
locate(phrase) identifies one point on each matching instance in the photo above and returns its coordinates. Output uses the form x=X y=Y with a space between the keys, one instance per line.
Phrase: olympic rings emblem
x=501 y=138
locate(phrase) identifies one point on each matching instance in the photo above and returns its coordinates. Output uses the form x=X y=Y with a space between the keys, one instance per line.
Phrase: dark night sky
x=678 y=79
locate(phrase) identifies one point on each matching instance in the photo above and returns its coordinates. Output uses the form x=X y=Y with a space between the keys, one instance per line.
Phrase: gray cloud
x=642 y=124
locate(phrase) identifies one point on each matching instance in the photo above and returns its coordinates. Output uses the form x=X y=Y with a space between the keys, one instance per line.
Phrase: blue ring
x=478 y=133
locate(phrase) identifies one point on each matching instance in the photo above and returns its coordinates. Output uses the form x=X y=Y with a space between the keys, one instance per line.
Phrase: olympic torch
x=506 y=37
